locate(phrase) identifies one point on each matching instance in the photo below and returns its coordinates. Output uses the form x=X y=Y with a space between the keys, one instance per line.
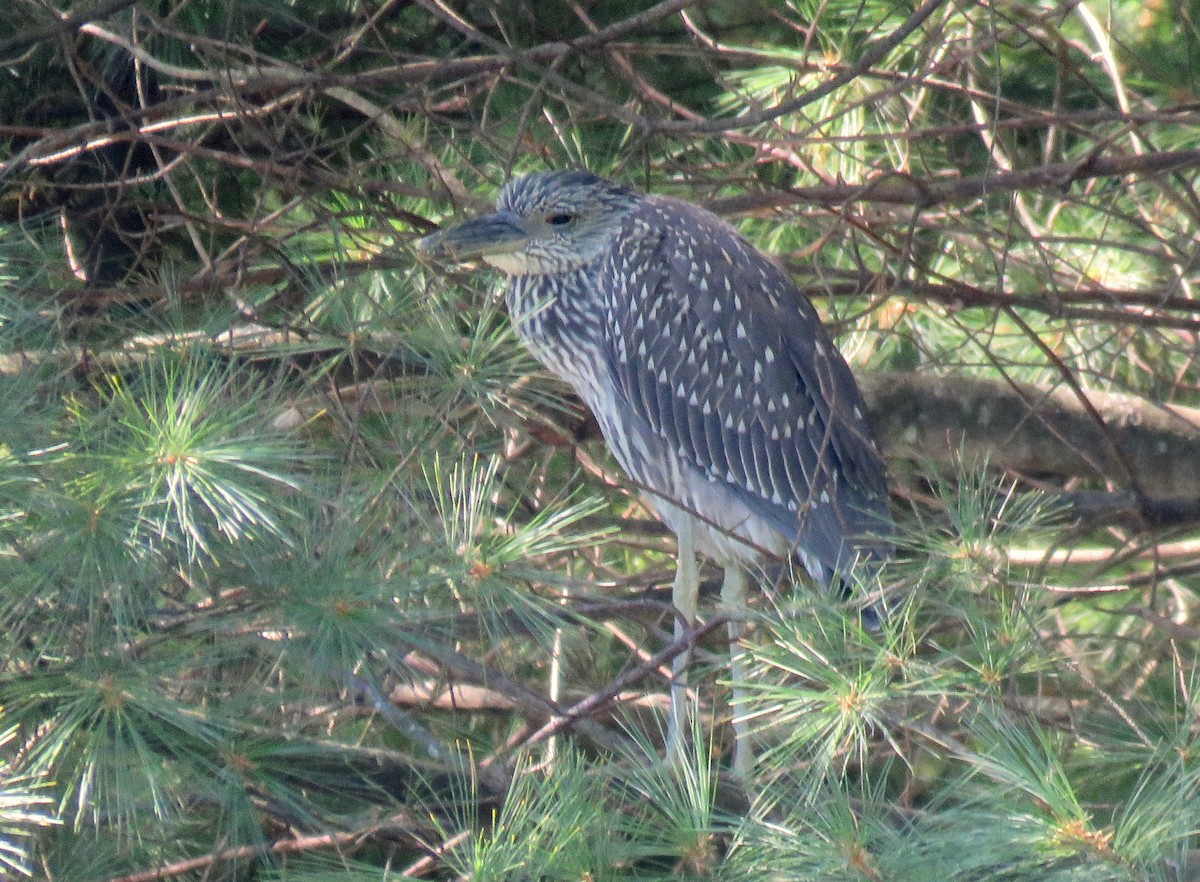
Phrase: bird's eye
x=558 y=220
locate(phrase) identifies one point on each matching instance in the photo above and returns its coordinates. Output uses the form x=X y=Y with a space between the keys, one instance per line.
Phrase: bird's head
x=544 y=223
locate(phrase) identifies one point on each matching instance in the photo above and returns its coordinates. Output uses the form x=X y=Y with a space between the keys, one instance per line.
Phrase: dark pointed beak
x=499 y=233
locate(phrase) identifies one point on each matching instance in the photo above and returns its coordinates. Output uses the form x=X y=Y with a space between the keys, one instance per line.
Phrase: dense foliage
x=307 y=571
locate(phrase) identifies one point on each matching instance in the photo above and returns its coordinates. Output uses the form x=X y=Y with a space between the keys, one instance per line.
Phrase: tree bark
x=1143 y=446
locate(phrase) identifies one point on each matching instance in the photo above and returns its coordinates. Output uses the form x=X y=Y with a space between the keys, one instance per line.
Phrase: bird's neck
x=546 y=306
x=559 y=317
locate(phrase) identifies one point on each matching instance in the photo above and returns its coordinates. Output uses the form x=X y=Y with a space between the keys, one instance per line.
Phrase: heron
x=714 y=383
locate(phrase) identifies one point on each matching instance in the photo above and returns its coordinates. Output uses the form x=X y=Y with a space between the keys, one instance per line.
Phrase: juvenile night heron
x=710 y=374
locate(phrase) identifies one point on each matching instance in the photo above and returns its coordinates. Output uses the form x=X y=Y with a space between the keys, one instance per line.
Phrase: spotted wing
x=730 y=366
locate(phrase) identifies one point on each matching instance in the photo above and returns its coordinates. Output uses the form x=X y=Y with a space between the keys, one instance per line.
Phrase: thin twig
x=573 y=715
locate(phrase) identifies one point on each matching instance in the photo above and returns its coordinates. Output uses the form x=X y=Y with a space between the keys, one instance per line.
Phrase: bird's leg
x=733 y=599
x=684 y=595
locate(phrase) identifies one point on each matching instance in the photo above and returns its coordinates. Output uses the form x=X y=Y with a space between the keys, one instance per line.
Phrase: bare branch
x=897 y=189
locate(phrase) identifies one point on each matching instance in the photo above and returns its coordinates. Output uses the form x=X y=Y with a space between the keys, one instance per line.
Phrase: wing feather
x=745 y=383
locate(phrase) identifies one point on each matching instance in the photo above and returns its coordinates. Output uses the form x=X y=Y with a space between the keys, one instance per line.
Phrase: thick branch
x=1022 y=427
x=1034 y=430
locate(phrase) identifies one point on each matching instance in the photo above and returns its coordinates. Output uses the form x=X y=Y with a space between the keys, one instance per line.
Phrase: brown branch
x=596 y=700
x=875 y=52
x=539 y=56
x=401 y=823
x=1123 y=306
x=1036 y=431
x=531 y=701
x=493 y=780
x=66 y=23
x=506 y=56
x=449 y=696
x=1118 y=466
x=897 y=189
